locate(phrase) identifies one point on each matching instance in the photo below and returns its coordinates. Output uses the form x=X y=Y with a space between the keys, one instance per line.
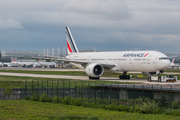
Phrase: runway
x=141 y=81
x=60 y=69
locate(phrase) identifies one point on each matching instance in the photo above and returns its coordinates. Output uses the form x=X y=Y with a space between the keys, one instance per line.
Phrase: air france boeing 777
x=95 y=63
x=149 y=63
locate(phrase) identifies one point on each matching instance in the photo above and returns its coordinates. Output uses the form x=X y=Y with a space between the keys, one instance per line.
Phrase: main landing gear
x=124 y=76
x=94 y=78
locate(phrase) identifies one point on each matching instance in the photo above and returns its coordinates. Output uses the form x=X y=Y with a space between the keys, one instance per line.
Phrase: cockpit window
x=164 y=58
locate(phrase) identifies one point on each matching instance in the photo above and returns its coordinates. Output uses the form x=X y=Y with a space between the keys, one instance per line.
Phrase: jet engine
x=149 y=74
x=94 y=70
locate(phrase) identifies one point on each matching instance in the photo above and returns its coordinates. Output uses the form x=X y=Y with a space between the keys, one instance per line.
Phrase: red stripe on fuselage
x=69 y=48
x=146 y=54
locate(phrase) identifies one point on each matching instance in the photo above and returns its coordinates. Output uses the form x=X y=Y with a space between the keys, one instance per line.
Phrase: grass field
x=173 y=70
x=17 y=82
x=31 y=110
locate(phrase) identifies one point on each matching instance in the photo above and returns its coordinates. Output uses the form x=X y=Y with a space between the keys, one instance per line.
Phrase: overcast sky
x=117 y=25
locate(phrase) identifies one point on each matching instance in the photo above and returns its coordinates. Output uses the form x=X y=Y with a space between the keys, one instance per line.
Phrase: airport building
x=6 y=55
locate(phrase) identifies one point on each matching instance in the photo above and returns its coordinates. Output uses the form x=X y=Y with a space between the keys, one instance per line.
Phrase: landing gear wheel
x=149 y=79
x=94 y=78
x=127 y=77
x=124 y=76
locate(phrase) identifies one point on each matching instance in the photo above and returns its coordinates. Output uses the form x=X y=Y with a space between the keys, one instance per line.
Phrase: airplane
x=47 y=64
x=1 y=64
x=15 y=61
x=7 y=64
x=150 y=63
x=95 y=63
x=173 y=65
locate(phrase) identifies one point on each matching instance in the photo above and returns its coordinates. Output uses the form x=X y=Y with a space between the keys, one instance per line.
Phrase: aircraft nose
x=166 y=64
x=163 y=64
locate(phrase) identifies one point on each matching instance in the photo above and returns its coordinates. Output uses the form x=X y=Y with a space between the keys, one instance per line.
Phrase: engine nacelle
x=94 y=70
x=149 y=74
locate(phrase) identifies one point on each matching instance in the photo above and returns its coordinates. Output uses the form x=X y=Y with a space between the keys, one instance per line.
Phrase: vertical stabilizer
x=71 y=45
x=16 y=60
x=12 y=60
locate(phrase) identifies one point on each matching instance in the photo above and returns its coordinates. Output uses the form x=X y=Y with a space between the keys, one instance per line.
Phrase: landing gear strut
x=124 y=76
x=159 y=77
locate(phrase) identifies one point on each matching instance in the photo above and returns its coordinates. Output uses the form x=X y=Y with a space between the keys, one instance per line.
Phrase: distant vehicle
x=167 y=78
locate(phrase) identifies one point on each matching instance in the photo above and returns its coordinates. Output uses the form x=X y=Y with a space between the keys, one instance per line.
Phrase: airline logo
x=70 y=42
x=12 y=60
x=68 y=46
x=135 y=55
x=15 y=60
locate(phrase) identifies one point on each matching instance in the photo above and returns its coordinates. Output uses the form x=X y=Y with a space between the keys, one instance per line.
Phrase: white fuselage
x=47 y=63
x=141 y=61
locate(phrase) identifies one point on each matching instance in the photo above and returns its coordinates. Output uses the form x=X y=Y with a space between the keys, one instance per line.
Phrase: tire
x=159 y=79
x=94 y=78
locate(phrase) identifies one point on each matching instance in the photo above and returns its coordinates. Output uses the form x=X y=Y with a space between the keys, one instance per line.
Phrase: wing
x=85 y=63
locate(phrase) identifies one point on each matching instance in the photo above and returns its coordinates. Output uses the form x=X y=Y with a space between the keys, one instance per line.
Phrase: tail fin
x=71 y=45
x=40 y=60
x=12 y=60
x=16 y=60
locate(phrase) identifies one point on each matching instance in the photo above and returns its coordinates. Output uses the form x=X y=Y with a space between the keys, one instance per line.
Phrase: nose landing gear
x=158 y=78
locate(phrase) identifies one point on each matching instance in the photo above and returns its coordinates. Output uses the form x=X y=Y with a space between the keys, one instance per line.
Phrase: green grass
x=172 y=70
x=17 y=82
x=31 y=110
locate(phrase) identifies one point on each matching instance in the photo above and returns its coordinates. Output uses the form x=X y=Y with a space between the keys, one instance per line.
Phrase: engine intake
x=94 y=70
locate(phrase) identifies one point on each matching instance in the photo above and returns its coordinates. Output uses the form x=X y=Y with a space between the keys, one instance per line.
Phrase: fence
x=134 y=96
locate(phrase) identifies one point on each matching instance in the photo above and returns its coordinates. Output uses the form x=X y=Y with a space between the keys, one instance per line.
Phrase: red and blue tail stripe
x=71 y=45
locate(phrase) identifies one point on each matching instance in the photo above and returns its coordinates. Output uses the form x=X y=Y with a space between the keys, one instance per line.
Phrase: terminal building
x=6 y=55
